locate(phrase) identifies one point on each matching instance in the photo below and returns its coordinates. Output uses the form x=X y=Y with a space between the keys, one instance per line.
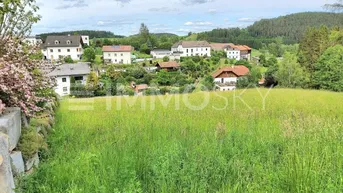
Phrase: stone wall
x=11 y=158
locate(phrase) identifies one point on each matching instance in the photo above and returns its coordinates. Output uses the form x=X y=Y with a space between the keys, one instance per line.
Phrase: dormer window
x=68 y=42
x=57 y=42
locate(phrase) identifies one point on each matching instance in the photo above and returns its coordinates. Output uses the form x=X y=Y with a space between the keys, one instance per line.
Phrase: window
x=64 y=79
x=68 y=42
x=59 y=50
x=68 y=50
x=191 y=50
x=197 y=49
x=51 y=50
x=115 y=54
x=78 y=78
x=121 y=54
x=206 y=49
x=187 y=50
x=57 y=42
x=109 y=55
x=86 y=38
x=65 y=89
x=115 y=60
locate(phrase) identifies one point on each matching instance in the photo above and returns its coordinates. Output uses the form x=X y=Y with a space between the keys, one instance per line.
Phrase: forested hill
x=293 y=26
x=91 y=33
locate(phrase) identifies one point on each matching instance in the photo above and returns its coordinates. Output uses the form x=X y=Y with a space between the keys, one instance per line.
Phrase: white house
x=238 y=52
x=226 y=77
x=192 y=48
x=63 y=74
x=158 y=54
x=117 y=54
x=33 y=40
x=85 y=40
x=59 y=47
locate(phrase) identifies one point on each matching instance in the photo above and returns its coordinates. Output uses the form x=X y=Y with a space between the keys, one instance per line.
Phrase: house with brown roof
x=238 y=52
x=119 y=54
x=226 y=77
x=139 y=89
x=220 y=46
x=191 y=48
x=169 y=66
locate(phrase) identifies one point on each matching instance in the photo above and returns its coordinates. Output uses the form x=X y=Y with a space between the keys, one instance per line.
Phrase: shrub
x=31 y=142
x=21 y=82
x=68 y=60
x=165 y=59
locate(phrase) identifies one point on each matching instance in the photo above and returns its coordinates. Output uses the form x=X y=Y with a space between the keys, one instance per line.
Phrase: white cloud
x=212 y=11
x=248 y=19
x=198 y=23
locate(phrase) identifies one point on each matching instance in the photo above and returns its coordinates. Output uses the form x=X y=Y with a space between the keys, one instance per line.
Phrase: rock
x=34 y=161
x=10 y=124
x=17 y=161
x=6 y=176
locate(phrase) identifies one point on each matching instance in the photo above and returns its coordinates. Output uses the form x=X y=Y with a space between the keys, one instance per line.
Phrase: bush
x=31 y=142
x=68 y=60
x=166 y=59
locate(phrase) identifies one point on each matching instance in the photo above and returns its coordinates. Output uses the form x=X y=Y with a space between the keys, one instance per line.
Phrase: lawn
x=291 y=142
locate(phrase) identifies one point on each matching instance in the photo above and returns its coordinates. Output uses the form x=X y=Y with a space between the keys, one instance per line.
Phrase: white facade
x=233 y=53
x=192 y=51
x=158 y=54
x=63 y=83
x=226 y=84
x=55 y=53
x=85 y=40
x=117 y=57
x=32 y=41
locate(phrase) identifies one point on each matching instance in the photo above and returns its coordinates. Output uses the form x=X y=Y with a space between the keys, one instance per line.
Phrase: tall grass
x=294 y=144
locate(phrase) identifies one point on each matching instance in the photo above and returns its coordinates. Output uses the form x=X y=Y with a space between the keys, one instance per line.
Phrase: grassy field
x=238 y=142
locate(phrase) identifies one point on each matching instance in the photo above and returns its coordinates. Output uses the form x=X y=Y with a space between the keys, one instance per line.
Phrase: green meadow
x=281 y=140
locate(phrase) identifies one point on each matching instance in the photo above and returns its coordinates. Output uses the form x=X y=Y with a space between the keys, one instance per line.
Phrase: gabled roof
x=117 y=48
x=220 y=46
x=63 y=41
x=160 y=50
x=191 y=44
x=170 y=64
x=240 y=47
x=239 y=70
x=71 y=69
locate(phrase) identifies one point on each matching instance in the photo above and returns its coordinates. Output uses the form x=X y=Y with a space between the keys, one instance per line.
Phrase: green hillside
x=282 y=141
x=293 y=26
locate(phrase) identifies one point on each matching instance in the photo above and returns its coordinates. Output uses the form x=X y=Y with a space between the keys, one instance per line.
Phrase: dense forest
x=290 y=28
x=91 y=33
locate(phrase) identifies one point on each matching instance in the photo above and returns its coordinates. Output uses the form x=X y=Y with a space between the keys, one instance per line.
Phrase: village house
x=65 y=72
x=33 y=40
x=192 y=48
x=169 y=66
x=121 y=54
x=59 y=47
x=159 y=53
x=226 y=77
x=139 y=89
x=85 y=40
x=220 y=46
x=238 y=52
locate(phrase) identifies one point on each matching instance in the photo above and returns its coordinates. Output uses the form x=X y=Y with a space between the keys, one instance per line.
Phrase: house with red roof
x=169 y=66
x=120 y=54
x=226 y=77
x=238 y=52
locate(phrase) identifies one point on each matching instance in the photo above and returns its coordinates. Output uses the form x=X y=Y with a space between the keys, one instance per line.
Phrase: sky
x=123 y=17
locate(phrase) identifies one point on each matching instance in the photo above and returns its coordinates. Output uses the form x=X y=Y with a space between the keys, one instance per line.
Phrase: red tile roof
x=220 y=46
x=239 y=70
x=170 y=64
x=241 y=47
x=120 y=48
